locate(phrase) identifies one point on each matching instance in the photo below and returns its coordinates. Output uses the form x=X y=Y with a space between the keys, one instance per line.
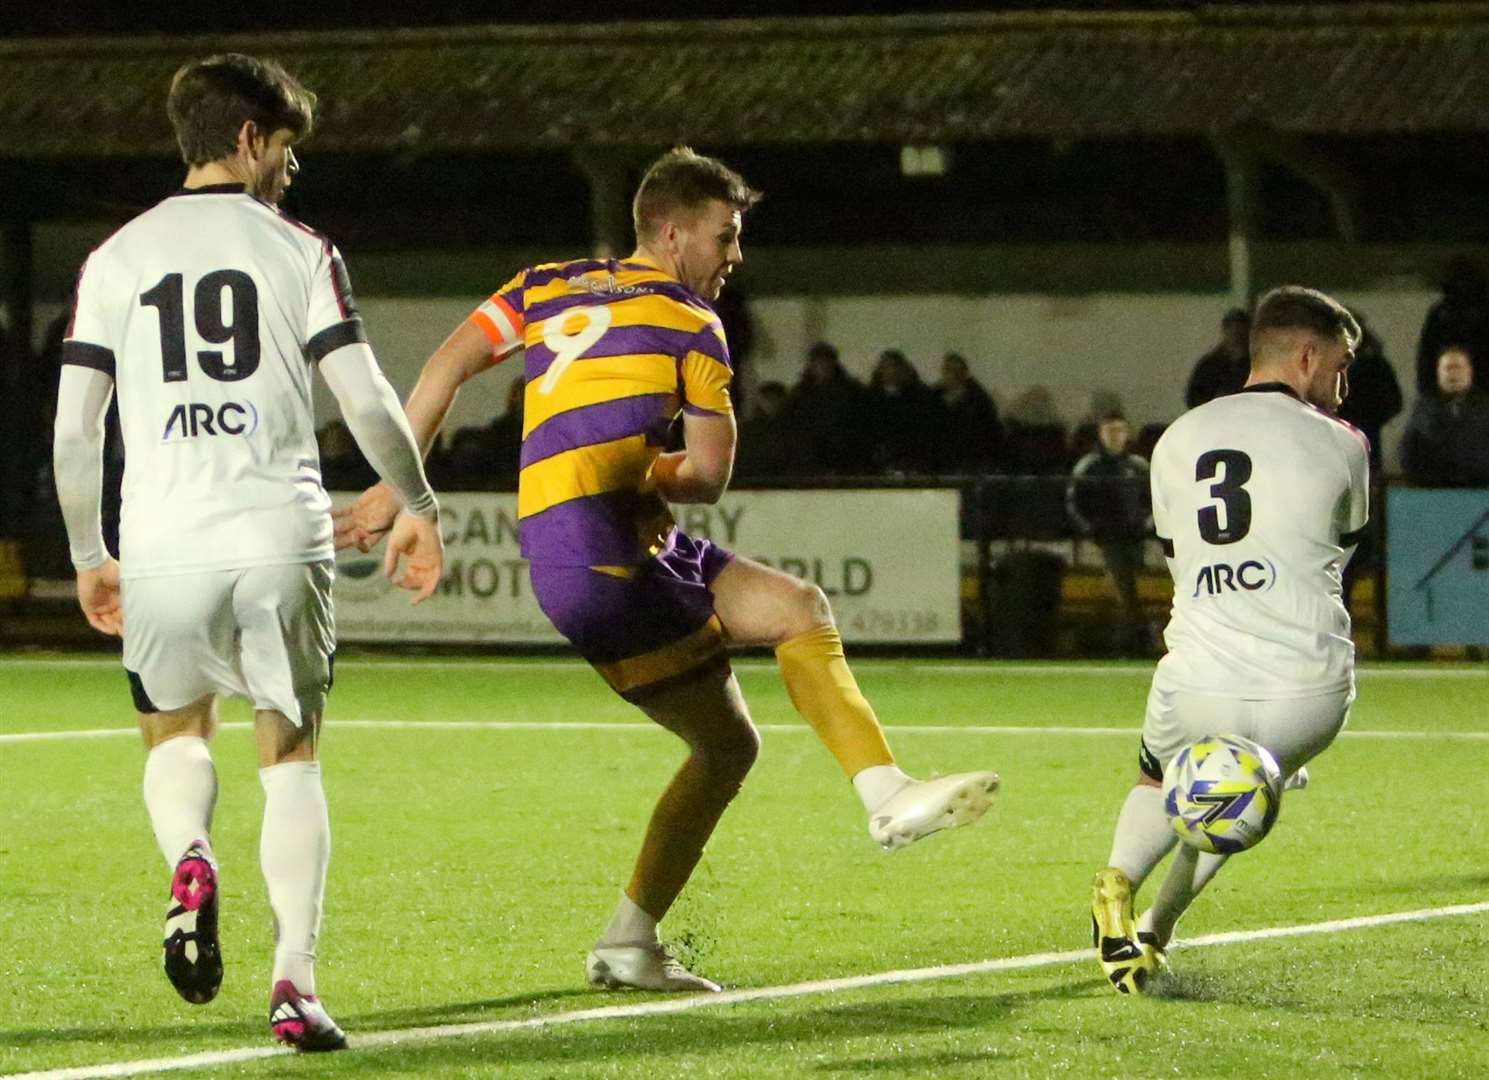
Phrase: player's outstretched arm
x=382 y=432
x=699 y=474
x=464 y=354
x=77 y=462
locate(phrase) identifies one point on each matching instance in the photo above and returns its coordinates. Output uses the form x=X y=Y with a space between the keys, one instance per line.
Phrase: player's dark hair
x=211 y=99
x=683 y=180
x=1293 y=307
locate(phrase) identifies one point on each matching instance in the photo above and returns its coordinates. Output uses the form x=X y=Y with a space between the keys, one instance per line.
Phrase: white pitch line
x=623 y=725
x=984 y=669
x=398 y=1037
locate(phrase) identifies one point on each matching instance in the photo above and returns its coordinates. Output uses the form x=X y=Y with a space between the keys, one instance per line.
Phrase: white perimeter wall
x=1140 y=346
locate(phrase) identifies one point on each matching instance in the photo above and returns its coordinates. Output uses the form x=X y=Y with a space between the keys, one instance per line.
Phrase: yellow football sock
x=826 y=694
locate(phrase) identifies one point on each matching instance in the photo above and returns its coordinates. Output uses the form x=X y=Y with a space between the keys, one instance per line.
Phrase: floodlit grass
x=473 y=867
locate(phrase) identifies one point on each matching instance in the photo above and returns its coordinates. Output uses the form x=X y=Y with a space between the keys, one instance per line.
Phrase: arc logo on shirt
x=1250 y=576
x=189 y=420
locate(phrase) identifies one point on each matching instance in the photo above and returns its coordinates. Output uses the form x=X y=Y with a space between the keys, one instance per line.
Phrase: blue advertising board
x=1437 y=566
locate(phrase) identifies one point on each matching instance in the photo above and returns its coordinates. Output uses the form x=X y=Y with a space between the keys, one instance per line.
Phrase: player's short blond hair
x=211 y=99
x=682 y=180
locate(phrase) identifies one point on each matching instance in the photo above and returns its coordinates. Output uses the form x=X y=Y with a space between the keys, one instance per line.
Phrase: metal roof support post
x=16 y=296
x=1242 y=203
x=608 y=172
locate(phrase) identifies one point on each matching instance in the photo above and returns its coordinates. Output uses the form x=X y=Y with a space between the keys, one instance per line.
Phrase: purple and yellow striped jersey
x=615 y=349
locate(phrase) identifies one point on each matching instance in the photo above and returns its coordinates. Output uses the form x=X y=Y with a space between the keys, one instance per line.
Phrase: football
x=1222 y=793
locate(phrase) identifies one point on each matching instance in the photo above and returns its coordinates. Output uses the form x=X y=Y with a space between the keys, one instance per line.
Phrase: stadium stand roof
x=1336 y=69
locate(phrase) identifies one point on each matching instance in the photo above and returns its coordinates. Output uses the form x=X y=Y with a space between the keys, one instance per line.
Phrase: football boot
x=922 y=807
x=1114 y=933
x=193 y=960
x=642 y=967
x=301 y=1021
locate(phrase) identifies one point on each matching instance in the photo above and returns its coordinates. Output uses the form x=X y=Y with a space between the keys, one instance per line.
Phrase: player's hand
x=364 y=522
x=417 y=540
x=98 y=596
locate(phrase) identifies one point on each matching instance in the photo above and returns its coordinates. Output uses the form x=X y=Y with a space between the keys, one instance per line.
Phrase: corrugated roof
x=1355 y=69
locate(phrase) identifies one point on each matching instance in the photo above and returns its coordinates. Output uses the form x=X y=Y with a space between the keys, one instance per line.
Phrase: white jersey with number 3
x=1259 y=499
x=209 y=310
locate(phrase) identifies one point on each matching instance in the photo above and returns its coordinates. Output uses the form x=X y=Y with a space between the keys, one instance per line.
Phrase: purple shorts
x=642 y=627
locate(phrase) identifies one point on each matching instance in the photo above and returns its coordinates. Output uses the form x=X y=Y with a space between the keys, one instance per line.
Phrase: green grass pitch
x=473 y=865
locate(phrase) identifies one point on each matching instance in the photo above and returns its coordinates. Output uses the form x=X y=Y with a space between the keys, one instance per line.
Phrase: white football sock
x=1187 y=875
x=294 y=850
x=630 y=925
x=1143 y=836
x=180 y=791
x=878 y=783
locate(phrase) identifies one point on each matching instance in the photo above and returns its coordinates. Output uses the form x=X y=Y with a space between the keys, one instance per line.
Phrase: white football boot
x=642 y=967
x=922 y=807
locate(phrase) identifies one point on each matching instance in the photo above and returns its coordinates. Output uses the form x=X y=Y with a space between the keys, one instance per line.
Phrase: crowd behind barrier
x=1028 y=476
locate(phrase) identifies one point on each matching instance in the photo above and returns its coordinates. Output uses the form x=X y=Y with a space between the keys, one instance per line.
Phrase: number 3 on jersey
x=1230 y=489
x=570 y=335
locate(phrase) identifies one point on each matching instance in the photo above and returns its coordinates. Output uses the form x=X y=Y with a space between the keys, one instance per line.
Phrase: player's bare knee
x=280 y=740
x=809 y=610
x=731 y=753
x=199 y=719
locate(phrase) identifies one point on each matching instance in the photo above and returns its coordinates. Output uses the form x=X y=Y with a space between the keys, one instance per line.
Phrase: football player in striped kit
x=615 y=350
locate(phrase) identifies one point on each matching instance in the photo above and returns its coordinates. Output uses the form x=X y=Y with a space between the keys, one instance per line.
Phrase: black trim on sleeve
x=1350 y=539
x=335 y=337
x=341 y=283
x=85 y=354
x=1167 y=545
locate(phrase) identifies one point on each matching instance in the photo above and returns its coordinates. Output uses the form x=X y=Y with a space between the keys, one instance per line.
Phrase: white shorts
x=265 y=633
x=1294 y=729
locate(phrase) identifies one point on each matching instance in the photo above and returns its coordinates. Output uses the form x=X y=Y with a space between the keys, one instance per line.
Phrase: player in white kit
x=206 y=316
x=1258 y=501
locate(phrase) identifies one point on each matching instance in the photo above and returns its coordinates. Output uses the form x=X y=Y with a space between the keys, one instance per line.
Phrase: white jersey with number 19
x=1258 y=499
x=208 y=310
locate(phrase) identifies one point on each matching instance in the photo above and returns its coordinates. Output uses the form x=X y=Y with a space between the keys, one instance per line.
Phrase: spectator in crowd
x=1083 y=438
x=1373 y=400
x=771 y=444
x=1222 y=370
x=343 y=468
x=1447 y=438
x=973 y=434
x=733 y=309
x=1107 y=500
x=504 y=438
x=902 y=416
x=827 y=404
x=1374 y=397
x=1461 y=317
x=1034 y=441
x=467 y=462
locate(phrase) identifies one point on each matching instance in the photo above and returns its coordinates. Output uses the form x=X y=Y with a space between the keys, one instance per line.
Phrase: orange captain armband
x=502 y=324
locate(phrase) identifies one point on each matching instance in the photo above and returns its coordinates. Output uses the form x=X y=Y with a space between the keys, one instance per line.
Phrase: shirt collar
x=1272 y=388
x=213 y=189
